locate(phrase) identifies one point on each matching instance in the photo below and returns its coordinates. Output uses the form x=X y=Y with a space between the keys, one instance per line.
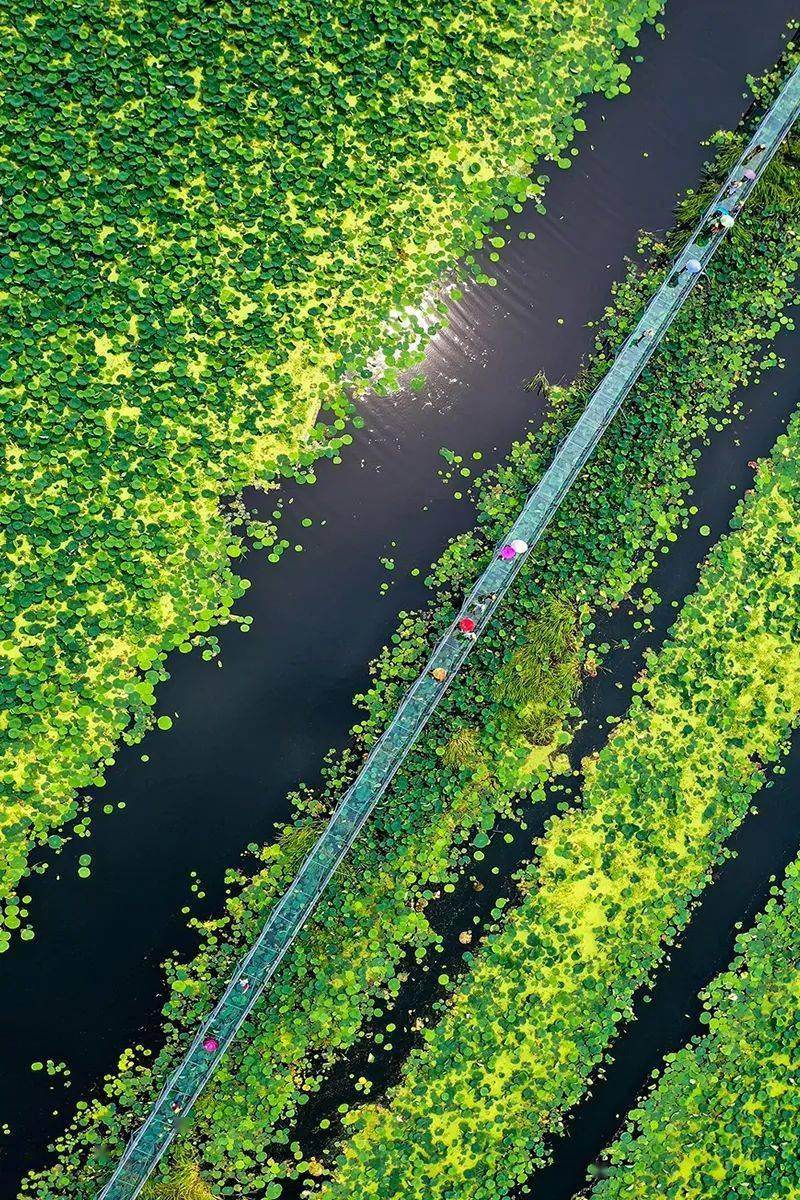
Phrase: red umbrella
x=466 y=624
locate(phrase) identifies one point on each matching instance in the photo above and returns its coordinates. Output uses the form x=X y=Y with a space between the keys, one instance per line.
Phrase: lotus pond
x=220 y=218
x=177 y=303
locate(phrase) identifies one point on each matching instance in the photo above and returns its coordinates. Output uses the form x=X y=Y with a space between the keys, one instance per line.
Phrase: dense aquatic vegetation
x=185 y=1183
x=211 y=215
x=723 y=1118
x=612 y=883
x=625 y=510
x=534 y=688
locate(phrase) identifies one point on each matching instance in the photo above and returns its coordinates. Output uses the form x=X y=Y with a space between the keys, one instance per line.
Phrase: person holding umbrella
x=466 y=626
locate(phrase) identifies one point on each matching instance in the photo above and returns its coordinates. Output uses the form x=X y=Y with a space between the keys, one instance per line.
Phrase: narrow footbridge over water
x=287 y=917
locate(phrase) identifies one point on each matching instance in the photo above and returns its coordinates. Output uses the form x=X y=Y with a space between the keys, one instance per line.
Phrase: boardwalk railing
x=288 y=916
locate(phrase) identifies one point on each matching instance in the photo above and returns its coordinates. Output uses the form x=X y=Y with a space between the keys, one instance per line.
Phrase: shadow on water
x=248 y=731
x=765 y=842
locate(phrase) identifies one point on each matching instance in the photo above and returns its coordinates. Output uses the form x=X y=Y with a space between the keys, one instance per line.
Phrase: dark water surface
x=89 y=984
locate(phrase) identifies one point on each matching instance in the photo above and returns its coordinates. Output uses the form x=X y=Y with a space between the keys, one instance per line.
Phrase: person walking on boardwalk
x=645 y=335
x=751 y=154
x=722 y=220
x=692 y=266
x=484 y=601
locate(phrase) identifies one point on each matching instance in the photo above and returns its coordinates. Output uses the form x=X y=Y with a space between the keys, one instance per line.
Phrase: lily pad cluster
x=472 y=763
x=612 y=883
x=722 y=1119
x=210 y=216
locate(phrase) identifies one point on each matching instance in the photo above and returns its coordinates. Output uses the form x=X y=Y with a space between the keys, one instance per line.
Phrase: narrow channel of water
x=90 y=984
x=765 y=843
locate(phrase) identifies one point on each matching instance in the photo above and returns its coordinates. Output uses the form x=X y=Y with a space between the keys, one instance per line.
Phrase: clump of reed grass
x=296 y=842
x=462 y=749
x=538 y=683
x=776 y=191
x=539 y=383
x=184 y=1182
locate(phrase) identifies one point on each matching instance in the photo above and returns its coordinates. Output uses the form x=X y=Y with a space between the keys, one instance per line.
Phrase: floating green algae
x=210 y=215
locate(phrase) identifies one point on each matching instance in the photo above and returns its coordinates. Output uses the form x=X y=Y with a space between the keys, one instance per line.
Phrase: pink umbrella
x=210 y=1044
x=750 y=174
x=508 y=552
